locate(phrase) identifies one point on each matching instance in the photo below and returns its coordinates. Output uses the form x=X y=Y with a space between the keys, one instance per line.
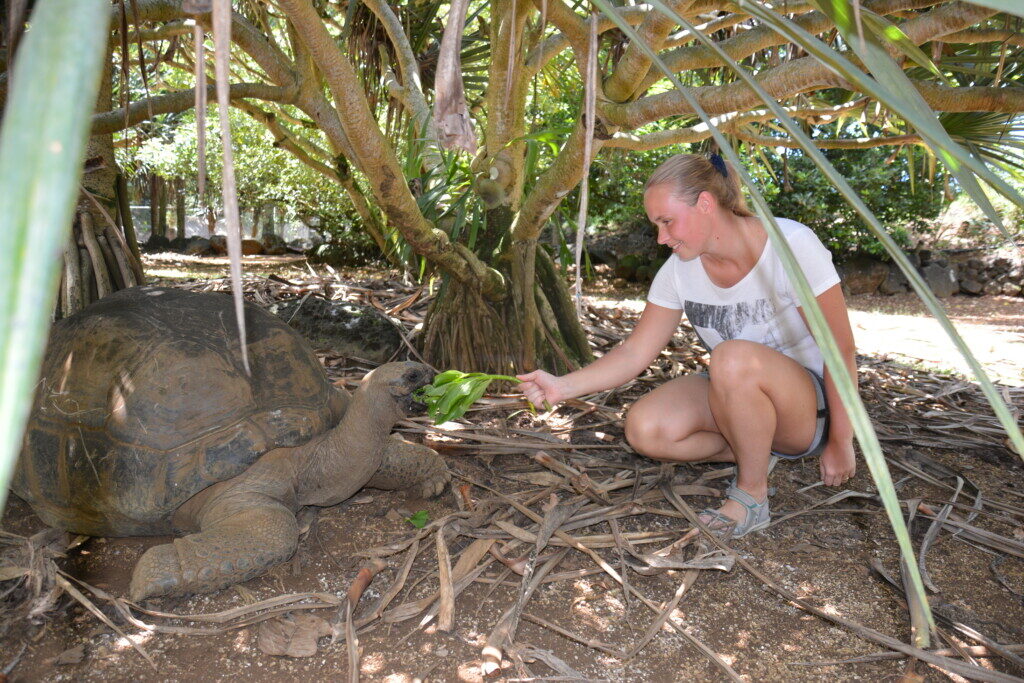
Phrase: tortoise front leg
x=406 y=465
x=230 y=548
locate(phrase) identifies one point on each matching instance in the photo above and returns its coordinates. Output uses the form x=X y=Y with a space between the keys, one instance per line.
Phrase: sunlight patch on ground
x=125 y=642
x=372 y=663
x=921 y=342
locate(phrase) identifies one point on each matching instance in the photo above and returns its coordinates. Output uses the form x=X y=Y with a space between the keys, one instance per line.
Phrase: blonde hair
x=690 y=174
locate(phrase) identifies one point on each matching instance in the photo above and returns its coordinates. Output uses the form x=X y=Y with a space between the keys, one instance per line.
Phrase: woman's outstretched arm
x=653 y=331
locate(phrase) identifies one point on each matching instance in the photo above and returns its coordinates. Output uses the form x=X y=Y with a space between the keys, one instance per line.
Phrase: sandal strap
x=743 y=498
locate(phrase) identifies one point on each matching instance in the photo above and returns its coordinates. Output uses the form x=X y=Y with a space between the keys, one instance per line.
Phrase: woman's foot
x=741 y=513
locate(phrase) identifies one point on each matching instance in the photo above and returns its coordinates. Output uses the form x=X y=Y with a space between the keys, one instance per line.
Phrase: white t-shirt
x=762 y=307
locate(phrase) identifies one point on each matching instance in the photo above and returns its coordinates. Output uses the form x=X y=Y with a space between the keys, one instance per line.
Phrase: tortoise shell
x=143 y=402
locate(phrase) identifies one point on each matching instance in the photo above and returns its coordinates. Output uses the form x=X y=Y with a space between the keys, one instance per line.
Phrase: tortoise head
x=400 y=381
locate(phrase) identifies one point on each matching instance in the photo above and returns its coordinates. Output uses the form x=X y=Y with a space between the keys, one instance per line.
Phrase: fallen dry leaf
x=73 y=655
x=293 y=635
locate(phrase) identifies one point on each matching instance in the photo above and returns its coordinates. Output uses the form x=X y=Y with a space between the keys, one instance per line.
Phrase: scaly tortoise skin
x=145 y=423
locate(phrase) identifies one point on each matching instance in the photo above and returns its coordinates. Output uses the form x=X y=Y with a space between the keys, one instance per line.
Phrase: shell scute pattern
x=143 y=403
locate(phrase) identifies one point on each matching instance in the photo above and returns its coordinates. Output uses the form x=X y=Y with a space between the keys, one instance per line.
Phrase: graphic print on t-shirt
x=715 y=324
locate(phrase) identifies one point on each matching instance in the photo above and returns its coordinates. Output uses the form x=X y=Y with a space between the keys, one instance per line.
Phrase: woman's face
x=682 y=227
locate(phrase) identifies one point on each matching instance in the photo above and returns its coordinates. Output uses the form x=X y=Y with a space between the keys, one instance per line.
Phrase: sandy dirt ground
x=824 y=553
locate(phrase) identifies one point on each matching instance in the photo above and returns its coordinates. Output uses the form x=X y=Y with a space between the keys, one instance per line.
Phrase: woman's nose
x=663 y=237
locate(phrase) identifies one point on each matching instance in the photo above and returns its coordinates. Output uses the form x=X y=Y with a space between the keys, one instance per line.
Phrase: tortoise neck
x=341 y=461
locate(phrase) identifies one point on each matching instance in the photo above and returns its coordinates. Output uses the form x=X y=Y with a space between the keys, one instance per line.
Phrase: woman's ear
x=706 y=202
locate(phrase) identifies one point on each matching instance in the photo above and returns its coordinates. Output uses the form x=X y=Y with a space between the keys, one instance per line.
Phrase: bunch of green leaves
x=453 y=392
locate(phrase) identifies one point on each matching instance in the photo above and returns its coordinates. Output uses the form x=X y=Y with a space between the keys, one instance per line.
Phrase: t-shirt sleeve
x=815 y=260
x=663 y=289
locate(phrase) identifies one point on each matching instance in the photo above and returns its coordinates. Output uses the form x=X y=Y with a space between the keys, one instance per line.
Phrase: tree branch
x=411 y=94
x=826 y=143
x=564 y=174
x=372 y=153
x=182 y=100
x=760 y=38
x=985 y=35
x=629 y=72
x=290 y=142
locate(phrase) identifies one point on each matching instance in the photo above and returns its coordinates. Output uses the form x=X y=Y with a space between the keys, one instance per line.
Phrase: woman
x=766 y=392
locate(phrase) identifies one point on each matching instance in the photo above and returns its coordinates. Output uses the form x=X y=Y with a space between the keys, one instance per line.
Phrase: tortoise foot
x=411 y=466
x=435 y=478
x=232 y=548
x=158 y=572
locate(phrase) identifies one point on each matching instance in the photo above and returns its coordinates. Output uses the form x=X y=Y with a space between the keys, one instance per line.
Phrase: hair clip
x=719 y=163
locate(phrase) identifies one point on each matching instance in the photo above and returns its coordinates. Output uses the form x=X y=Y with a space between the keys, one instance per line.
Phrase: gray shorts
x=820 y=427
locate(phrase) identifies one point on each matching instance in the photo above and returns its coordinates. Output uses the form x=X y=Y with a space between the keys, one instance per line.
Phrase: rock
x=178 y=244
x=627 y=249
x=969 y=286
x=1002 y=264
x=219 y=244
x=251 y=247
x=895 y=282
x=1011 y=289
x=627 y=265
x=198 y=246
x=862 y=275
x=157 y=243
x=940 y=279
x=993 y=288
x=646 y=273
x=925 y=257
x=975 y=263
x=274 y=245
x=914 y=258
x=346 y=328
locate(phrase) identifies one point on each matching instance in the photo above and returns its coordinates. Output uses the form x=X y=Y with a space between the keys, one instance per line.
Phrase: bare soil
x=824 y=556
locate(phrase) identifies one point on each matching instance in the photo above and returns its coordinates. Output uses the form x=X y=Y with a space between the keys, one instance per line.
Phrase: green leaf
x=42 y=147
x=474 y=389
x=419 y=520
x=888 y=31
x=447 y=376
x=453 y=392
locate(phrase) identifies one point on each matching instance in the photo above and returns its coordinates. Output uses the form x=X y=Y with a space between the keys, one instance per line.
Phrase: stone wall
x=971 y=272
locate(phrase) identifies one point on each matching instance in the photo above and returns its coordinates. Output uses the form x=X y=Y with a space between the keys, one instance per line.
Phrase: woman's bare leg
x=674 y=423
x=756 y=401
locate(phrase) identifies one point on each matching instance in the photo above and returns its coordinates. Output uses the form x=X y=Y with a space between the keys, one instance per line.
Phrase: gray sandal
x=756 y=515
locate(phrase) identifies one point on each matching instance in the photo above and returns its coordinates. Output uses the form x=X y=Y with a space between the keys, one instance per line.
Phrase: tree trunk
x=257 y=212
x=161 y=213
x=179 y=208
x=155 y=182
x=269 y=230
x=99 y=257
x=535 y=326
x=125 y=220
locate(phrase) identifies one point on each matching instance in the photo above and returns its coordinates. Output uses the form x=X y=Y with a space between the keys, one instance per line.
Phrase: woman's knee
x=736 y=363
x=643 y=433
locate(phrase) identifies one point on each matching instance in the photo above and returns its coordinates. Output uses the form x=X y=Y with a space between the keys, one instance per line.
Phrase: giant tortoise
x=146 y=423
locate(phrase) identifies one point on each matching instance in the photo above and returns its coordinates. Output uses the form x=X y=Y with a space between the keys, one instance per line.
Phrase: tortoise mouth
x=418 y=379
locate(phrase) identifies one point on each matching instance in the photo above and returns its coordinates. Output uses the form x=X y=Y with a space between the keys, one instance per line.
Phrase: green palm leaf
x=42 y=146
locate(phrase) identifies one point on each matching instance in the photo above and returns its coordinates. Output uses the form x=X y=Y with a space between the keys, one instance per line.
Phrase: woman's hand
x=838 y=462
x=542 y=387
